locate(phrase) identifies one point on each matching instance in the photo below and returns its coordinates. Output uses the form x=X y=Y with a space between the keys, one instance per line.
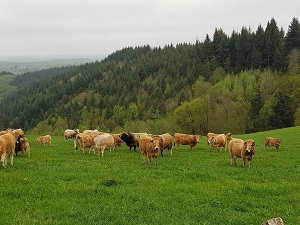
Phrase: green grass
x=57 y=186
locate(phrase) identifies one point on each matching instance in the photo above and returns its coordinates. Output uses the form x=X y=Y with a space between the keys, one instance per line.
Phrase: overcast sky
x=83 y=27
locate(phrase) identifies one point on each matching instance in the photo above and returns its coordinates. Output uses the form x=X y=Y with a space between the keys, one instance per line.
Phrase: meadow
x=199 y=186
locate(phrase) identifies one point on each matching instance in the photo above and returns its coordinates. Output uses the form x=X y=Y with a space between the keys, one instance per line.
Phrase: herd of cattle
x=151 y=146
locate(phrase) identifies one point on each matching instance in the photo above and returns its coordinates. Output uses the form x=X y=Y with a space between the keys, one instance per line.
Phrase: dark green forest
x=244 y=82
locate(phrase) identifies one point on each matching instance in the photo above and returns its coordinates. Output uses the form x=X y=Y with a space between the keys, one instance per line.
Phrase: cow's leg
x=144 y=158
x=244 y=161
x=102 y=150
x=12 y=159
x=155 y=160
x=3 y=156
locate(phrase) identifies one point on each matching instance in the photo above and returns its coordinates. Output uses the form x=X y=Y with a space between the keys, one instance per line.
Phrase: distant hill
x=20 y=65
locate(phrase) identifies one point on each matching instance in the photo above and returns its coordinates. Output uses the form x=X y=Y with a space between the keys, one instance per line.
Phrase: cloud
x=35 y=27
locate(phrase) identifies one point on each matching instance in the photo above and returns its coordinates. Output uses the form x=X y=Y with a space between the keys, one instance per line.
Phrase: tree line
x=242 y=83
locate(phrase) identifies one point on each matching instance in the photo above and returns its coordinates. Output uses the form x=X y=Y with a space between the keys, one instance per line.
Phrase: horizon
x=41 y=58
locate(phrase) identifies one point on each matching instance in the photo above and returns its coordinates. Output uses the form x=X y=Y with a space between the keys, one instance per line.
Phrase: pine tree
x=292 y=38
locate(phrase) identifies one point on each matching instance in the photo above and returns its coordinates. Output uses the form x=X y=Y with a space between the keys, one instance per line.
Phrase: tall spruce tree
x=292 y=38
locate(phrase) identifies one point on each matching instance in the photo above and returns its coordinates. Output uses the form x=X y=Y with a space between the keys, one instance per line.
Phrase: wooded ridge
x=242 y=83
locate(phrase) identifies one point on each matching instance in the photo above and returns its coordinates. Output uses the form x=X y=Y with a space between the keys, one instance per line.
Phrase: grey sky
x=77 y=27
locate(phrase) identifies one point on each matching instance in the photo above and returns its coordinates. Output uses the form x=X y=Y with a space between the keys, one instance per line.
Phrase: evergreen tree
x=292 y=38
x=283 y=112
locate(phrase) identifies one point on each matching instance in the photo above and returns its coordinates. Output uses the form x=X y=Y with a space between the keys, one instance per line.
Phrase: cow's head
x=157 y=143
x=249 y=144
x=124 y=136
x=278 y=142
x=210 y=139
x=228 y=136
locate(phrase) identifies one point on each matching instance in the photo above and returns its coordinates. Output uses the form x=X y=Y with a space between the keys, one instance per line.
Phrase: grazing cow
x=84 y=141
x=130 y=139
x=167 y=142
x=241 y=149
x=148 y=148
x=104 y=141
x=7 y=147
x=269 y=142
x=22 y=145
x=44 y=139
x=92 y=133
x=70 y=133
x=186 y=139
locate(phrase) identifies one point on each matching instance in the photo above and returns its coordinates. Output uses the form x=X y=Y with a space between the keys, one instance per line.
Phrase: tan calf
x=44 y=139
x=272 y=142
x=241 y=149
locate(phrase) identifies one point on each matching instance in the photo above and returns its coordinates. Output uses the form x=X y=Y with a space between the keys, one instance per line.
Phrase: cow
x=270 y=142
x=22 y=145
x=118 y=141
x=150 y=147
x=7 y=147
x=218 y=140
x=44 y=139
x=92 y=133
x=104 y=141
x=239 y=148
x=167 y=143
x=84 y=141
x=186 y=139
x=208 y=137
x=130 y=139
x=70 y=133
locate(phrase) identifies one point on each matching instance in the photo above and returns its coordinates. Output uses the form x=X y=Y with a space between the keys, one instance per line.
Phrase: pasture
x=57 y=186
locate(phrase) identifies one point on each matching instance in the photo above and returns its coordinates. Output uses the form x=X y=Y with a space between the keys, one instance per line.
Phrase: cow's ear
x=253 y=144
x=245 y=143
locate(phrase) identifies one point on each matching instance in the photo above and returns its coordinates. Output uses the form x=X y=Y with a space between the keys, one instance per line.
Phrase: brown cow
x=210 y=135
x=44 y=139
x=186 y=139
x=117 y=140
x=241 y=149
x=269 y=142
x=83 y=140
x=7 y=147
x=167 y=142
x=218 y=141
x=22 y=145
x=149 y=147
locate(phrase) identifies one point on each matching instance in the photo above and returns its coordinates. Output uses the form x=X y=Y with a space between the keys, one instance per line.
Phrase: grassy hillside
x=5 y=87
x=57 y=186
